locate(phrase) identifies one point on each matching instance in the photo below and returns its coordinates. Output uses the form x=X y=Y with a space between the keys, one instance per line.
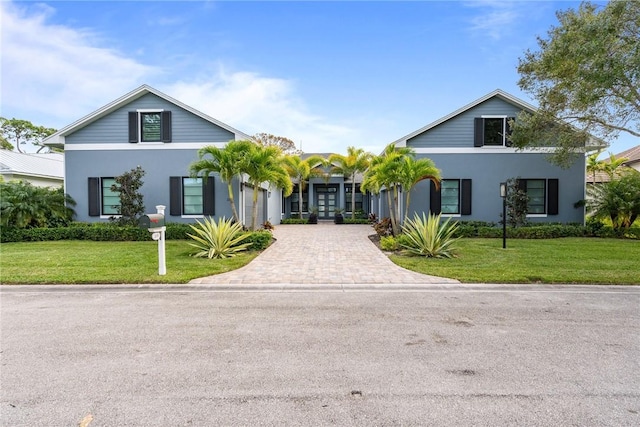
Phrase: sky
x=325 y=74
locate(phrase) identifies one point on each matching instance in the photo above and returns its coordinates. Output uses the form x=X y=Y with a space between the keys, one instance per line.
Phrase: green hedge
x=112 y=233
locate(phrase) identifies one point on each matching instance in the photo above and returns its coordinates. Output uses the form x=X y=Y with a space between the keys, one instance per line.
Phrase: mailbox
x=151 y=221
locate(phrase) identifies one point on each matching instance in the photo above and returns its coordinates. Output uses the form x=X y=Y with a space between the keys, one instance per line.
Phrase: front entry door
x=326 y=200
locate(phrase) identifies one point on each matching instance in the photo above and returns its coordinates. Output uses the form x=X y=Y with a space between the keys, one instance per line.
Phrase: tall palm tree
x=594 y=165
x=385 y=171
x=301 y=170
x=413 y=171
x=265 y=164
x=227 y=162
x=356 y=161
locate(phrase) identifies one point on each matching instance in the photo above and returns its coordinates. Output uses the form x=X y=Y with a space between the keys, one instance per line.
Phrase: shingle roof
x=50 y=165
x=632 y=154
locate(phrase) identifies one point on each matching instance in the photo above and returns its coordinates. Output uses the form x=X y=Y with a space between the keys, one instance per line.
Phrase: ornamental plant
x=428 y=237
x=218 y=240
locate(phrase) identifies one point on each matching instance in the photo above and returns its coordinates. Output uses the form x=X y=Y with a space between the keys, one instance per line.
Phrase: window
x=149 y=126
x=452 y=198
x=543 y=195
x=110 y=199
x=359 y=198
x=492 y=131
x=103 y=201
x=295 y=202
x=191 y=196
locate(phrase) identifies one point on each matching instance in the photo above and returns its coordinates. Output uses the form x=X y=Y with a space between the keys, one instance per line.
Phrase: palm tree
x=594 y=165
x=301 y=170
x=385 y=171
x=612 y=165
x=356 y=161
x=23 y=205
x=413 y=171
x=265 y=164
x=227 y=162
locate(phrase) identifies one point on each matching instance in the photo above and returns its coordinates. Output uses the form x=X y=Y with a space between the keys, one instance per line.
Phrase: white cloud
x=56 y=72
x=496 y=19
x=253 y=103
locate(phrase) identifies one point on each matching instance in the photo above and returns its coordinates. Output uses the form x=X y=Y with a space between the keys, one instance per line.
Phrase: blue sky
x=325 y=74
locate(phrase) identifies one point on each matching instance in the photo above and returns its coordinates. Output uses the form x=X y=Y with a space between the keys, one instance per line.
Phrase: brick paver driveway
x=325 y=253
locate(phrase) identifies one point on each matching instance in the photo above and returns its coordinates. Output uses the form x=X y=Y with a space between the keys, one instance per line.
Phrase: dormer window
x=492 y=131
x=150 y=126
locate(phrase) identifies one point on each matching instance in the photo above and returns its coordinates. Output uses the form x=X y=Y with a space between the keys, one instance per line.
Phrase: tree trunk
x=300 y=198
x=254 y=209
x=234 y=211
x=353 y=196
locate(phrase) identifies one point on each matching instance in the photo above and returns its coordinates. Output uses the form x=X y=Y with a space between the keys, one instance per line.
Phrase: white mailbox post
x=156 y=226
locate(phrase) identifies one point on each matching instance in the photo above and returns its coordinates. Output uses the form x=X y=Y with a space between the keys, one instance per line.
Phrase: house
x=472 y=151
x=41 y=170
x=149 y=129
x=632 y=156
x=326 y=194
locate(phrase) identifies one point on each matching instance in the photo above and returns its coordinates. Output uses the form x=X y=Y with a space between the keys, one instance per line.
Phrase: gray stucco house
x=470 y=148
x=149 y=129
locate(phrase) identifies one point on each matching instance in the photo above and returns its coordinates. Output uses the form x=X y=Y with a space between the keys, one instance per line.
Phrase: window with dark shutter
x=434 y=199
x=208 y=194
x=465 y=201
x=94 y=196
x=552 y=197
x=175 y=195
x=478 y=136
x=133 y=126
x=166 y=126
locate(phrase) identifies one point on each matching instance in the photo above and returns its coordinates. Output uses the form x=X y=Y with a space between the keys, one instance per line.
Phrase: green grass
x=566 y=260
x=77 y=262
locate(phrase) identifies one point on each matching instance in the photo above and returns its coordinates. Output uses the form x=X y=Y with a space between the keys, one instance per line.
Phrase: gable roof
x=50 y=165
x=496 y=93
x=57 y=139
x=632 y=155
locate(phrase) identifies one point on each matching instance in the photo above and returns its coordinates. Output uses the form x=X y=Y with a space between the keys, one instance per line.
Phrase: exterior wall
x=34 y=180
x=458 y=131
x=158 y=165
x=487 y=171
x=114 y=128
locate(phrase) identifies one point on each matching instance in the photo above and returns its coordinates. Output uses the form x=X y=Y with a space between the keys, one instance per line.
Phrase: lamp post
x=503 y=194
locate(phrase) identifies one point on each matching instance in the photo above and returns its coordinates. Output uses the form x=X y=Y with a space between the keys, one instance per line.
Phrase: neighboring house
x=326 y=194
x=471 y=149
x=633 y=161
x=149 y=129
x=41 y=170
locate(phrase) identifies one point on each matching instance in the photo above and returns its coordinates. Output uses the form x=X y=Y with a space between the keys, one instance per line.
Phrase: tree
x=131 y=200
x=356 y=161
x=23 y=205
x=585 y=79
x=20 y=132
x=517 y=203
x=385 y=171
x=617 y=200
x=301 y=170
x=594 y=165
x=285 y=144
x=413 y=171
x=265 y=164
x=228 y=162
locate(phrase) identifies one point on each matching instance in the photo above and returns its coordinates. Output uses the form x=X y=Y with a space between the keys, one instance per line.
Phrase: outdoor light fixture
x=503 y=194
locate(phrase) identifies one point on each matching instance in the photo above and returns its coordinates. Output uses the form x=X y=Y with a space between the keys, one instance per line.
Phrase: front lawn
x=566 y=260
x=80 y=261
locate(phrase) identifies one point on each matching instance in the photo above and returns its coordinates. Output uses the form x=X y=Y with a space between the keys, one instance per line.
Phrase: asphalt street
x=459 y=355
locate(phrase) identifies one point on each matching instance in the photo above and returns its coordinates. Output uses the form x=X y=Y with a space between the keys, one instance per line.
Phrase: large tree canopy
x=16 y=132
x=585 y=77
x=285 y=144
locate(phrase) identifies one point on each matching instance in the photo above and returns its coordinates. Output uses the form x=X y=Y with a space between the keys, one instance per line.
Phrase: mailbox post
x=156 y=225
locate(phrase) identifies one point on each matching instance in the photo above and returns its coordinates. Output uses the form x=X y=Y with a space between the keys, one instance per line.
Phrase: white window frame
x=504 y=130
x=452 y=215
x=148 y=110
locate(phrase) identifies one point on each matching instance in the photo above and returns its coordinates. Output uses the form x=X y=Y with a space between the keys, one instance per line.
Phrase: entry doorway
x=326 y=200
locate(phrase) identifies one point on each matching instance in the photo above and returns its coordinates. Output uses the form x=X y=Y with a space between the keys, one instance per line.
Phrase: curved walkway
x=322 y=254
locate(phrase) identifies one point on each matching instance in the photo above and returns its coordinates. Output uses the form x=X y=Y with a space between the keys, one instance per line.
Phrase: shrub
x=218 y=240
x=383 y=227
x=428 y=237
x=293 y=221
x=258 y=240
x=388 y=243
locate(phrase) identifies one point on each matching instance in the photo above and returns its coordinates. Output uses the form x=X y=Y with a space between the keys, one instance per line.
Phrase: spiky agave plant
x=218 y=240
x=428 y=237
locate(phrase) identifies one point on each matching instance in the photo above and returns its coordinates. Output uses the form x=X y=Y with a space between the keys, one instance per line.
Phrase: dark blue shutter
x=175 y=196
x=465 y=200
x=208 y=197
x=552 y=197
x=435 y=199
x=166 y=126
x=133 y=126
x=94 y=196
x=478 y=135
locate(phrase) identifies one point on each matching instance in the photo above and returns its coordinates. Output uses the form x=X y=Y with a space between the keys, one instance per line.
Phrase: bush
x=388 y=243
x=428 y=237
x=293 y=221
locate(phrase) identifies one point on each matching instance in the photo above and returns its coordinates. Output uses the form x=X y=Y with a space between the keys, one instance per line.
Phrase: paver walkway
x=325 y=253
